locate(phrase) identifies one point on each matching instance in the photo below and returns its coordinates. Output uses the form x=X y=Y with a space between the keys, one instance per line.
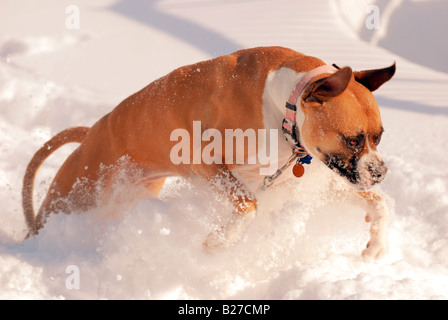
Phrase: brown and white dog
x=330 y=114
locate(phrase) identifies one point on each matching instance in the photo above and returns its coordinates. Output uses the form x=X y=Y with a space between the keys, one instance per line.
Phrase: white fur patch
x=278 y=87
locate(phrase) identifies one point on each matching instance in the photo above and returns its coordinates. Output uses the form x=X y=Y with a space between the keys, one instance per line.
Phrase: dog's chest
x=278 y=86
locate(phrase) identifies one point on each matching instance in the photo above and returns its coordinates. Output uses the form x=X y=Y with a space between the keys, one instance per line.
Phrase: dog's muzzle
x=362 y=173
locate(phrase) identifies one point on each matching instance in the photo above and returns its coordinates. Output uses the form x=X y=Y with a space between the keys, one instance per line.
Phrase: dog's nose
x=378 y=172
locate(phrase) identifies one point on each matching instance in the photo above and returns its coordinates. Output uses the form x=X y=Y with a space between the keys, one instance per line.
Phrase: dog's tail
x=76 y=134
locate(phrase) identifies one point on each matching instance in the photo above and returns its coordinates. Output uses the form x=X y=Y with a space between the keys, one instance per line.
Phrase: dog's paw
x=228 y=235
x=216 y=241
x=221 y=239
x=375 y=250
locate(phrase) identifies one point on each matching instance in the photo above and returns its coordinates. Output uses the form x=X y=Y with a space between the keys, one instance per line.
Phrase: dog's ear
x=373 y=79
x=332 y=86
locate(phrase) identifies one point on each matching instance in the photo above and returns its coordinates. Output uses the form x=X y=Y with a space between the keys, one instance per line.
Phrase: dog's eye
x=355 y=142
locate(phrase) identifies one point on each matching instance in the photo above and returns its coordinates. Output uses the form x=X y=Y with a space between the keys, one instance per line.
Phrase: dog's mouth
x=359 y=173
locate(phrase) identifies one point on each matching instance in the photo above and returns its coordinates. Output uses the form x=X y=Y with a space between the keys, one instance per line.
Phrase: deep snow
x=303 y=244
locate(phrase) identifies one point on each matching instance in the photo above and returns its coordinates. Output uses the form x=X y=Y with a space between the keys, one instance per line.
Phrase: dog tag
x=298 y=170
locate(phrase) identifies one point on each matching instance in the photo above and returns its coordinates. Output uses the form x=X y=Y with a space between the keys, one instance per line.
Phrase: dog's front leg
x=378 y=216
x=228 y=235
x=244 y=212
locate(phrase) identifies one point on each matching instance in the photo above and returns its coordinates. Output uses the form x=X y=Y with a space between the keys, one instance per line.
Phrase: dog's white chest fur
x=278 y=87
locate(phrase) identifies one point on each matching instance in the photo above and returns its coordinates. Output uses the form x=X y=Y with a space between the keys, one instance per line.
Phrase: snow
x=303 y=244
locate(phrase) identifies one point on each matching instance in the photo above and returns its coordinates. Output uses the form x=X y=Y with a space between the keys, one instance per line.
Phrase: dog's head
x=342 y=124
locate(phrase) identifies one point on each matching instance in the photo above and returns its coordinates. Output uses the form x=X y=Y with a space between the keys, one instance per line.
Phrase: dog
x=323 y=113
